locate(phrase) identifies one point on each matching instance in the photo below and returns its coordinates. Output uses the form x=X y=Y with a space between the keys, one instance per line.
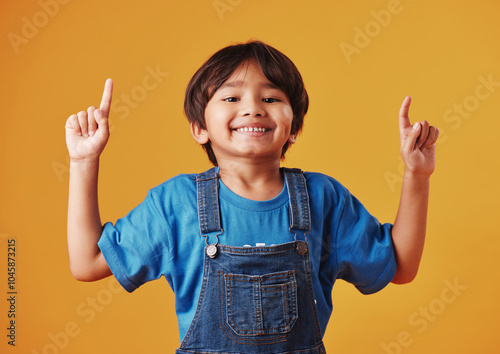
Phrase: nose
x=254 y=108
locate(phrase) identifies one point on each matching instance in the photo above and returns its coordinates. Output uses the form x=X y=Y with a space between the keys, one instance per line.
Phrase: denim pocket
x=261 y=304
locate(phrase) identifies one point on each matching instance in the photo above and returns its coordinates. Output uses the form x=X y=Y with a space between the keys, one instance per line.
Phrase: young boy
x=251 y=250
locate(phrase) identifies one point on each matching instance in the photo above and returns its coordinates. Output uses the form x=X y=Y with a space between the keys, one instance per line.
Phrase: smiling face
x=248 y=117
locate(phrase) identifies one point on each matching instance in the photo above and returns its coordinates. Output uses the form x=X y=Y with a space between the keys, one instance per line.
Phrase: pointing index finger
x=404 y=120
x=106 y=98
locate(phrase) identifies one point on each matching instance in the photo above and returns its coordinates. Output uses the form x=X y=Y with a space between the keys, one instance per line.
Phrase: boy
x=251 y=250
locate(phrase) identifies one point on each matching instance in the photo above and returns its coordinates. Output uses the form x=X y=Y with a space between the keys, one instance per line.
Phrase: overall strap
x=300 y=218
x=207 y=188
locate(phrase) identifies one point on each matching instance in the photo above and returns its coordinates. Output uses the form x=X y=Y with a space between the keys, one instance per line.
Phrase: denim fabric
x=272 y=296
x=297 y=191
x=208 y=203
x=207 y=189
x=255 y=299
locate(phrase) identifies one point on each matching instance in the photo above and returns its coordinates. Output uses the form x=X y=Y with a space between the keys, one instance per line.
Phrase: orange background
x=55 y=57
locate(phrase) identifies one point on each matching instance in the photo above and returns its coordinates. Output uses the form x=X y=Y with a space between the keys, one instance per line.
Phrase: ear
x=292 y=138
x=199 y=134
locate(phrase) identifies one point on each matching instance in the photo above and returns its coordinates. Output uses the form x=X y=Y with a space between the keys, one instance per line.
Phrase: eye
x=231 y=99
x=270 y=100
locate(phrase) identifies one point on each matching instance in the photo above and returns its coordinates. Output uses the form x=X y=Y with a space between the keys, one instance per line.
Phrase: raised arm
x=86 y=136
x=418 y=149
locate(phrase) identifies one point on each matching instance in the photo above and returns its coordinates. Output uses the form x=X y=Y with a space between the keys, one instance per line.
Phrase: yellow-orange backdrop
x=359 y=60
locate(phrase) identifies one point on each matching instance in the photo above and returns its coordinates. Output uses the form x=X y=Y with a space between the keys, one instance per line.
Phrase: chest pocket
x=261 y=304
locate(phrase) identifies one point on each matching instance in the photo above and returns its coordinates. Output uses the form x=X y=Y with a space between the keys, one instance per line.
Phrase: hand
x=88 y=132
x=418 y=143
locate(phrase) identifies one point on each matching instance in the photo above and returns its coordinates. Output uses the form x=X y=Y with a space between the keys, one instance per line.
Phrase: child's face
x=248 y=117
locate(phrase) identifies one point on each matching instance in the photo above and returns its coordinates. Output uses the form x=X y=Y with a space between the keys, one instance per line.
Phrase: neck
x=255 y=181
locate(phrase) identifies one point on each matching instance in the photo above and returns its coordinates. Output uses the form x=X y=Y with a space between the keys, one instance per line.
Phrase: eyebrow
x=239 y=83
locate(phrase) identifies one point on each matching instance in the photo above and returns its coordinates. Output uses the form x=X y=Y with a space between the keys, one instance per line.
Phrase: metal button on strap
x=302 y=248
x=211 y=251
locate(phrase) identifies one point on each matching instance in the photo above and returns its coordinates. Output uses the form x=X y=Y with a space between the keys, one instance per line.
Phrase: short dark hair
x=276 y=66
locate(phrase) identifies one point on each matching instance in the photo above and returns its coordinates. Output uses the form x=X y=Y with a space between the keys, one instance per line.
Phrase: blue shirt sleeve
x=364 y=248
x=136 y=247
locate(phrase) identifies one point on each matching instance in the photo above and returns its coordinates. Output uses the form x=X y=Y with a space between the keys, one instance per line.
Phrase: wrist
x=417 y=175
x=418 y=180
x=87 y=162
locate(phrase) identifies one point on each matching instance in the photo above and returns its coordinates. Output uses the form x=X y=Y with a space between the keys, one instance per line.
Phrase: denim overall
x=255 y=299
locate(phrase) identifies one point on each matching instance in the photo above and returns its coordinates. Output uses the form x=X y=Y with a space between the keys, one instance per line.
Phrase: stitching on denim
x=251 y=251
x=311 y=292
x=293 y=201
x=215 y=208
x=285 y=304
x=305 y=202
x=200 y=210
x=319 y=347
x=289 y=287
x=302 y=220
x=280 y=287
x=299 y=205
x=264 y=341
x=198 y=307
x=207 y=193
x=259 y=318
x=260 y=278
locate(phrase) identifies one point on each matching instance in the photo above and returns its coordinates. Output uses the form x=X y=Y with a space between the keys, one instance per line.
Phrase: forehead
x=246 y=74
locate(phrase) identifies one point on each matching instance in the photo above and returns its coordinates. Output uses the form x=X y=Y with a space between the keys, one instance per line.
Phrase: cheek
x=287 y=114
x=287 y=109
x=212 y=115
x=218 y=109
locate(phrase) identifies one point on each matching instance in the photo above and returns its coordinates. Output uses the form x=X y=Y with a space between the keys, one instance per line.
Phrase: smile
x=252 y=129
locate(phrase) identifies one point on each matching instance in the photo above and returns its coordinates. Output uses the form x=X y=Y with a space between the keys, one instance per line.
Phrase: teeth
x=251 y=129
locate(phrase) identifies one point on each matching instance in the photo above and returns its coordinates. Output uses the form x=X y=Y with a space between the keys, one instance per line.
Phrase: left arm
x=418 y=150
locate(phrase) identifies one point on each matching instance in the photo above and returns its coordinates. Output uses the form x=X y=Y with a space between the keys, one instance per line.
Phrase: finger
x=424 y=133
x=106 y=98
x=82 y=120
x=432 y=138
x=92 y=124
x=404 y=120
x=410 y=142
x=72 y=123
x=103 y=123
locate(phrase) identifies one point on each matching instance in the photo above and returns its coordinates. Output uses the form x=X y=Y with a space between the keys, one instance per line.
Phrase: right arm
x=86 y=136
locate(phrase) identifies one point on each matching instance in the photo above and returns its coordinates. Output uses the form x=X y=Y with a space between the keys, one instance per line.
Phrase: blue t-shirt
x=161 y=236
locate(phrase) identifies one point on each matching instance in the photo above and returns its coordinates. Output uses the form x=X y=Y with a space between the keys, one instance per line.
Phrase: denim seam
x=293 y=200
x=198 y=305
x=288 y=287
x=299 y=205
x=305 y=202
x=311 y=292
x=207 y=186
x=265 y=341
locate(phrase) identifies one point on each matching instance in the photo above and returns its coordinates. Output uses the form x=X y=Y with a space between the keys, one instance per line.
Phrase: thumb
x=411 y=138
x=102 y=121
